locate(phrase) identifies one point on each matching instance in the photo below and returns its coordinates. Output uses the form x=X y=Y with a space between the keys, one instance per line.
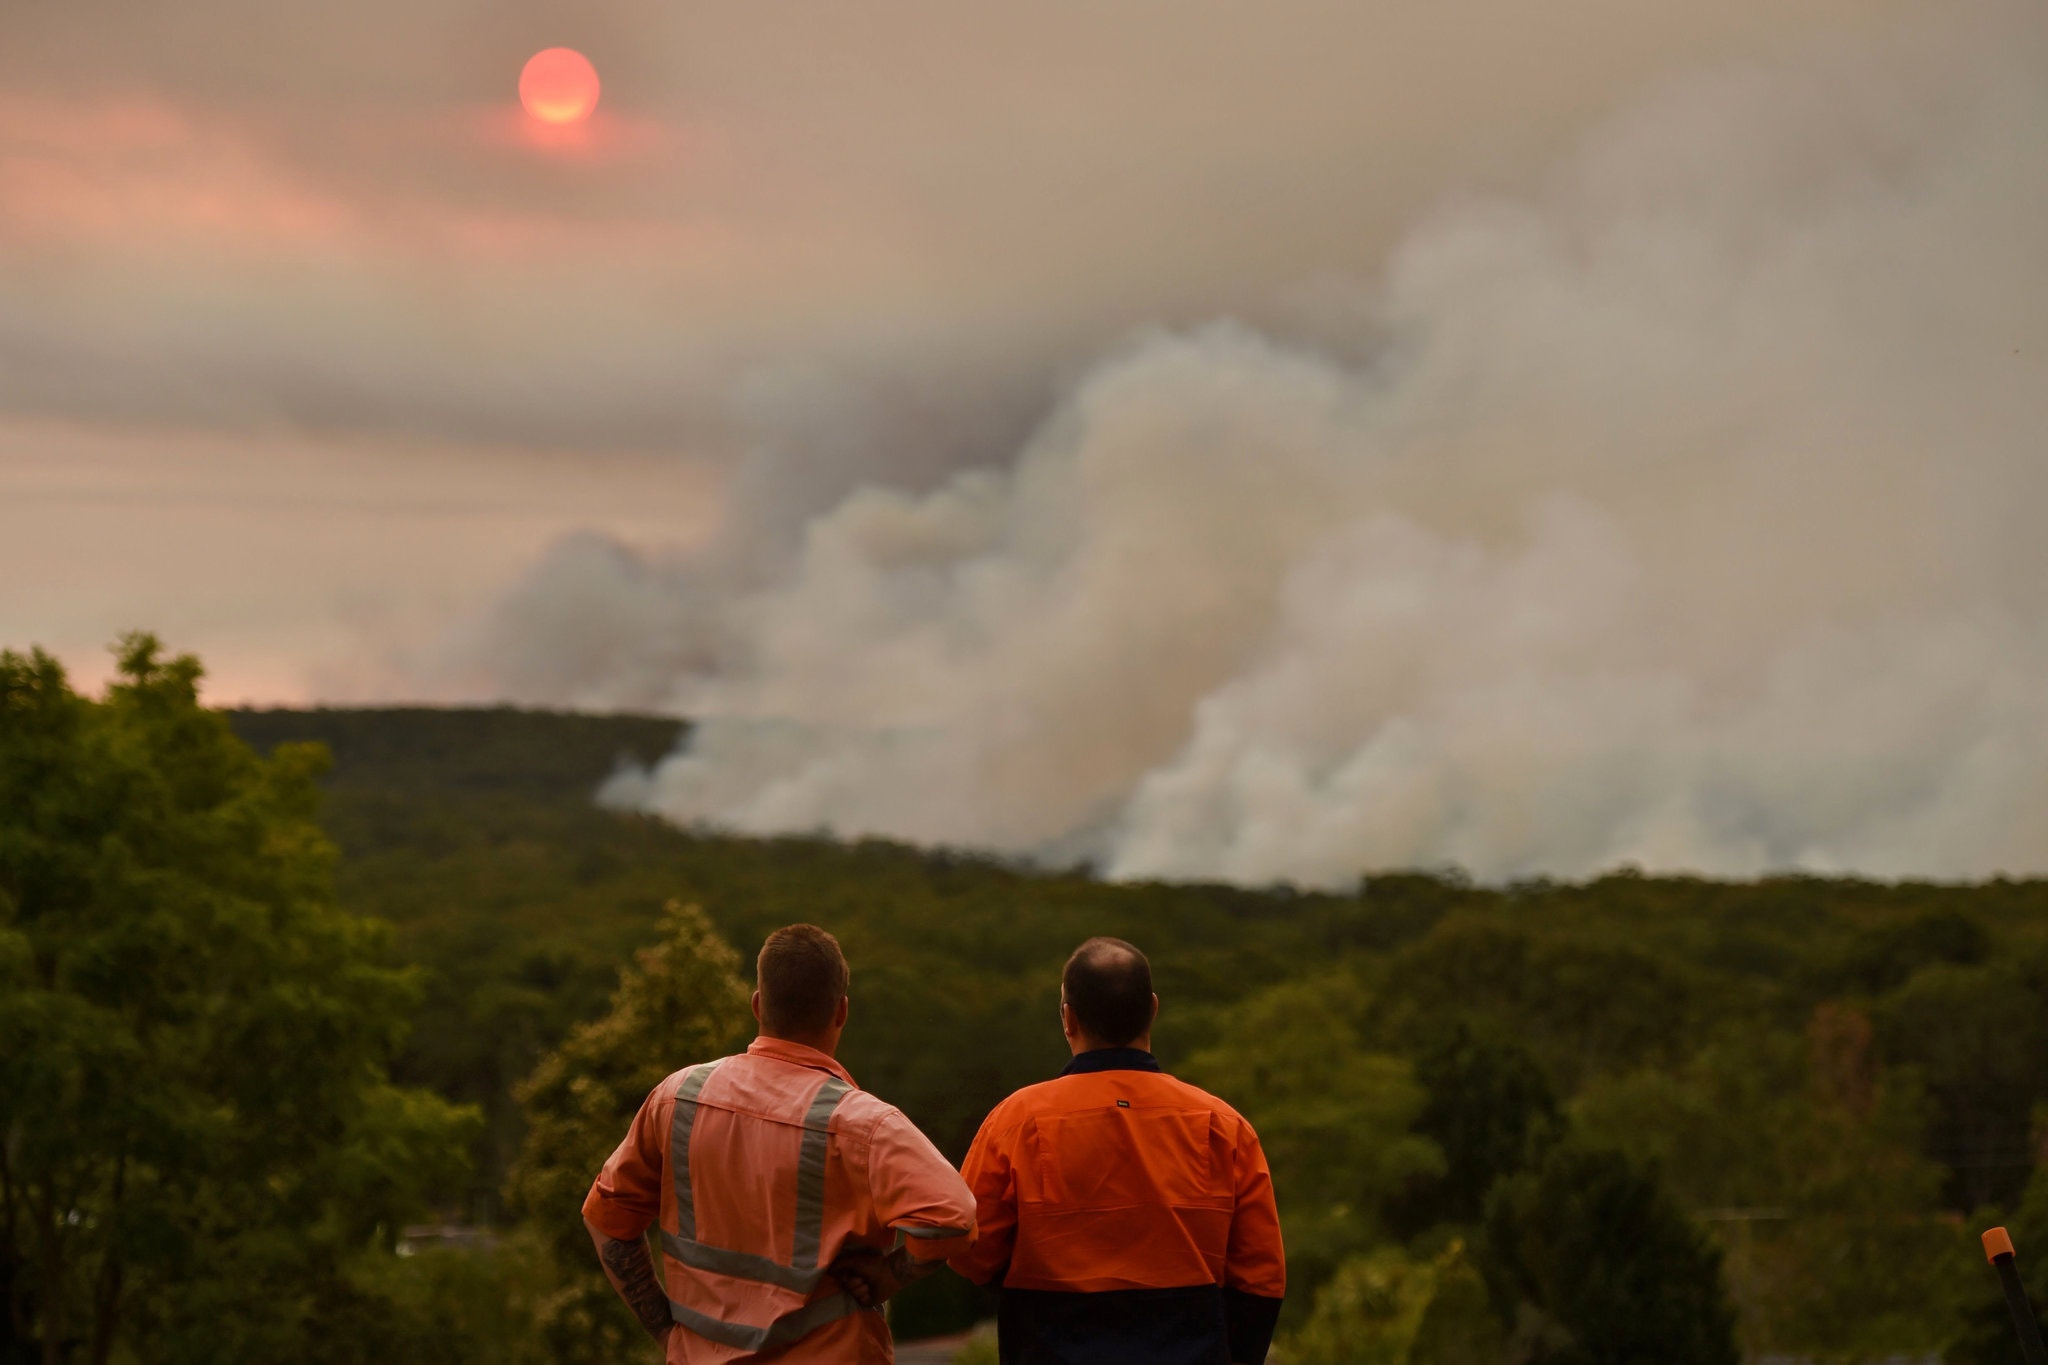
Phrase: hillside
x=1674 y=1017
x=474 y=834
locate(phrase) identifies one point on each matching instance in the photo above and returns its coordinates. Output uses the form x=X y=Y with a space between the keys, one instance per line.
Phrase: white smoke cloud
x=1687 y=513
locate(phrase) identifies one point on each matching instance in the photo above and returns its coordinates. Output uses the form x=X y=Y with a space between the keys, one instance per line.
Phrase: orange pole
x=1998 y=1250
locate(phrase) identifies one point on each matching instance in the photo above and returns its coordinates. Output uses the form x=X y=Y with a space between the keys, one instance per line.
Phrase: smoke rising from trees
x=1685 y=513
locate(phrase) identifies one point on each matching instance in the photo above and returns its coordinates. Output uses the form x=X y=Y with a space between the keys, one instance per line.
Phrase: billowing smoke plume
x=1688 y=513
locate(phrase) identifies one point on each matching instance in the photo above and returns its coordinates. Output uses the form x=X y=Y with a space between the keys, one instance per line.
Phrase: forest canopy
x=1630 y=1119
x=203 y=1146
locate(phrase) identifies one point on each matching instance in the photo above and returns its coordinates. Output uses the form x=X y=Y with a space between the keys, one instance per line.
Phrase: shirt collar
x=1111 y=1059
x=796 y=1054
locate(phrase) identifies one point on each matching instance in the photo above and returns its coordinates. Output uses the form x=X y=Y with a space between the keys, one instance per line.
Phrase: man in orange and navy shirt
x=1127 y=1216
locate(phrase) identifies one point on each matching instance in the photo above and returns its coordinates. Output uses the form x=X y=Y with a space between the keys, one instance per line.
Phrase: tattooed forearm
x=631 y=1271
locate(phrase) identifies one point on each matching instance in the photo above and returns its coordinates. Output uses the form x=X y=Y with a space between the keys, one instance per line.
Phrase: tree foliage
x=1978 y=1038
x=1368 y=1312
x=200 y=1134
x=1488 y=1108
x=1809 y=1160
x=1336 y=1121
x=1826 y=1074
x=1606 y=1265
x=682 y=1002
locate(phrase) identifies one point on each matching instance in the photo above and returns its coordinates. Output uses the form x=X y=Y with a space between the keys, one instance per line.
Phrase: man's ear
x=1155 y=1006
x=839 y=1014
x=757 y=1007
x=1067 y=1024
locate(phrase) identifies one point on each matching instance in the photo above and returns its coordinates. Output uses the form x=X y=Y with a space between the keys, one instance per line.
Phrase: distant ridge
x=548 y=756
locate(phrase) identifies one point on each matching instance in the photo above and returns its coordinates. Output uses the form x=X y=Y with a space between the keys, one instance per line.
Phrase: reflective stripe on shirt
x=803 y=1274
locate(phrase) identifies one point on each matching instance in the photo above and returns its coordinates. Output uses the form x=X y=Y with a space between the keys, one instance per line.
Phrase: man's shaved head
x=1108 y=986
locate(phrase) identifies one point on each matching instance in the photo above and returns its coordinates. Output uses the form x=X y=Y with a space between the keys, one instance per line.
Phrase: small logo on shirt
x=1123 y=1104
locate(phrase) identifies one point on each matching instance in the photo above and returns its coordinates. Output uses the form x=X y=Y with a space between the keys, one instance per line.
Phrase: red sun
x=558 y=85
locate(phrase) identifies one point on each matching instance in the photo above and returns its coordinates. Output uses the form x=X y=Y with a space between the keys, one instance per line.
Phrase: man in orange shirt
x=1128 y=1216
x=772 y=1177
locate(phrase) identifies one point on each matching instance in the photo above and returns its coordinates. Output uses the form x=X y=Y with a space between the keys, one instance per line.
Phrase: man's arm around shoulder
x=987 y=1172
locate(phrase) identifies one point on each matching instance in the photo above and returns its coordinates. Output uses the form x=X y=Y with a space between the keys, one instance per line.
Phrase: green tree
x=1985 y=1335
x=1807 y=1160
x=1888 y=955
x=1580 y=1004
x=1460 y=1326
x=1609 y=1270
x=1979 y=1038
x=1335 y=1120
x=1367 y=1313
x=200 y=1134
x=682 y=1003
x=1488 y=1106
x=1386 y=1308
x=458 y=1305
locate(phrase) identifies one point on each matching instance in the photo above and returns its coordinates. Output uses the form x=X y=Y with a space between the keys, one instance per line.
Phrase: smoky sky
x=1249 y=441
x=229 y=212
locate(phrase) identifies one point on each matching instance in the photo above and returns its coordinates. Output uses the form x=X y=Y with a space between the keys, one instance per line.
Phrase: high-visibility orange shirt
x=760 y=1169
x=1100 y=1189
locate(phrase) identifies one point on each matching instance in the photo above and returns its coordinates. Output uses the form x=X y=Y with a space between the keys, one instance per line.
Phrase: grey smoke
x=305 y=349
x=1688 y=513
